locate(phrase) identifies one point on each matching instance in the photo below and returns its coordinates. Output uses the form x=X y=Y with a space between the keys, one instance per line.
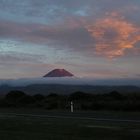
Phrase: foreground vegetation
x=38 y=117
x=82 y=101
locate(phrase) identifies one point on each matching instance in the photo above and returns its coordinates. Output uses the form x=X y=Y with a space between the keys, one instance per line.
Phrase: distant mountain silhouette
x=46 y=89
x=59 y=73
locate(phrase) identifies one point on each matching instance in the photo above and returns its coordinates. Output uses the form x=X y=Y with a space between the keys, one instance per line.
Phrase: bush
x=14 y=95
x=38 y=97
x=25 y=100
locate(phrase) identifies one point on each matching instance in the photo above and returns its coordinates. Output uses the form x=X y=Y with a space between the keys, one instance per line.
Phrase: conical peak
x=59 y=73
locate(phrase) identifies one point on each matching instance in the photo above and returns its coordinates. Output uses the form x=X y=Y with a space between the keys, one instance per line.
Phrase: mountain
x=46 y=89
x=59 y=73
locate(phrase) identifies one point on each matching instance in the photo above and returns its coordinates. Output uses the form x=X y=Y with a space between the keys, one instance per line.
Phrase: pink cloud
x=114 y=35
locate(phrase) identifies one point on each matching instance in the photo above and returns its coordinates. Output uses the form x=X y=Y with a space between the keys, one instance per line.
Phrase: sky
x=89 y=38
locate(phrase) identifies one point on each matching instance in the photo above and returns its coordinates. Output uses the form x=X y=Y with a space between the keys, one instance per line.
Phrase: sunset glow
x=114 y=35
x=91 y=38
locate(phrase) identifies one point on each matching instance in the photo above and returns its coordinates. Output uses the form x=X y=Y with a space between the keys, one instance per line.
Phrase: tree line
x=82 y=101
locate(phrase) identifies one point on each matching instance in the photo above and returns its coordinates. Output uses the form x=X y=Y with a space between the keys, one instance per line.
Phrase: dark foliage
x=25 y=100
x=80 y=96
x=38 y=97
x=14 y=95
x=82 y=101
x=53 y=95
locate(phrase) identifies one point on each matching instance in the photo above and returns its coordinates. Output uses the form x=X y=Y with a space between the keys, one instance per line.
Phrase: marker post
x=71 y=106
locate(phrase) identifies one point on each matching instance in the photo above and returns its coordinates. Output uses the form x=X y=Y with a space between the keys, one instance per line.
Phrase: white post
x=71 y=103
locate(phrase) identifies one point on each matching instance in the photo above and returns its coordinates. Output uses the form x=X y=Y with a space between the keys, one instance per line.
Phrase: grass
x=40 y=128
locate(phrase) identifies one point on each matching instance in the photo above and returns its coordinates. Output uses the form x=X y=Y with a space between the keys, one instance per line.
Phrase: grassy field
x=21 y=124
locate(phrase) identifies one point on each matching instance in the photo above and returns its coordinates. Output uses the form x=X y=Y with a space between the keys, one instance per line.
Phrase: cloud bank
x=71 y=81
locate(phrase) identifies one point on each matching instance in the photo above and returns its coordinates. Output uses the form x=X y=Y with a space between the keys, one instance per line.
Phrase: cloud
x=71 y=81
x=17 y=58
x=114 y=35
x=110 y=36
x=71 y=34
x=81 y=25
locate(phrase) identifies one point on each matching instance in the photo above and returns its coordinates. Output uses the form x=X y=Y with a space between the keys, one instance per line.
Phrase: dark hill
x=46 y=89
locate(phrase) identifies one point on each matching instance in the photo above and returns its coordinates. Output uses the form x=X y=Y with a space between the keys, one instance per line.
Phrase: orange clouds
x=114 y=35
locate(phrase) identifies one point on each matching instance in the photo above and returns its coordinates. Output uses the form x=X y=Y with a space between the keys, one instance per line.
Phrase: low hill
x=46 y=89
